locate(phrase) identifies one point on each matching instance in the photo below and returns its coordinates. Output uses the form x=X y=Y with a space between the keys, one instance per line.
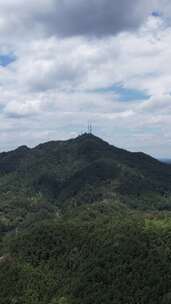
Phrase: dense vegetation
x=95 y=254
x=84 y=222
x=40 y=182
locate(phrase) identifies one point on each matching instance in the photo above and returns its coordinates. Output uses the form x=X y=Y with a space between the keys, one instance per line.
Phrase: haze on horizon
x=64 y=63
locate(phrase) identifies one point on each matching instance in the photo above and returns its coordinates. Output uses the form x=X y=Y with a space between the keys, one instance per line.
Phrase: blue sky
x=6 y=59
x=156 y=14
x=112 y=69
x=125 y=94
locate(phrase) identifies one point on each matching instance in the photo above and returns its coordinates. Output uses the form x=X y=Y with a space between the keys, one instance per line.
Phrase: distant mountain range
x=166 y=160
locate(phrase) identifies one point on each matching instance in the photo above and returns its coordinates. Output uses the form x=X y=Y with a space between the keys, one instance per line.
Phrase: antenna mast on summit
x=90 y=128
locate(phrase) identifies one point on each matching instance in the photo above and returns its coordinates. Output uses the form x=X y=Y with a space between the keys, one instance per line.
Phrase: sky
x=64 y=63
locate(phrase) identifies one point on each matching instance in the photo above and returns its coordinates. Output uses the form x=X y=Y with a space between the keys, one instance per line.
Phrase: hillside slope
x=94 y=254
x=80 y=224
x=54 y=175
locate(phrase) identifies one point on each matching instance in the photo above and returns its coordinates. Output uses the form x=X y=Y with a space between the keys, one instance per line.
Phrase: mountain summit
x=85 y=170
x=69 y=231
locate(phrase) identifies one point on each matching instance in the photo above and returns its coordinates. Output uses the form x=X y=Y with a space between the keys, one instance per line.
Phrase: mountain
x=57 y=175
x=84 y=222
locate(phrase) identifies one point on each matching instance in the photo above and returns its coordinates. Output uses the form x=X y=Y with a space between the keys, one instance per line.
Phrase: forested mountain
x=92 y=254
x=57 y=175
x=84 y=222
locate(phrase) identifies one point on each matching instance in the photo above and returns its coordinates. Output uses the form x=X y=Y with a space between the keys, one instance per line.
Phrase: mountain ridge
x=84 y=222
x=58 y=175
x=79 y=137
x=24 y=149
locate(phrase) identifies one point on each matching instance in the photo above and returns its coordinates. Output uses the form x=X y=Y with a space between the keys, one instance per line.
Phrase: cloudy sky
x=66 y=62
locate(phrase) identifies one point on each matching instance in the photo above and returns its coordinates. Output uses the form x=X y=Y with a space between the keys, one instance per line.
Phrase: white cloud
x=56 y=84
x=72 y=17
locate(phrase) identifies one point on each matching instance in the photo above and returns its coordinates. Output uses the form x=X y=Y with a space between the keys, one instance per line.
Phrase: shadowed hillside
x=84 y=222
x=56 y=175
